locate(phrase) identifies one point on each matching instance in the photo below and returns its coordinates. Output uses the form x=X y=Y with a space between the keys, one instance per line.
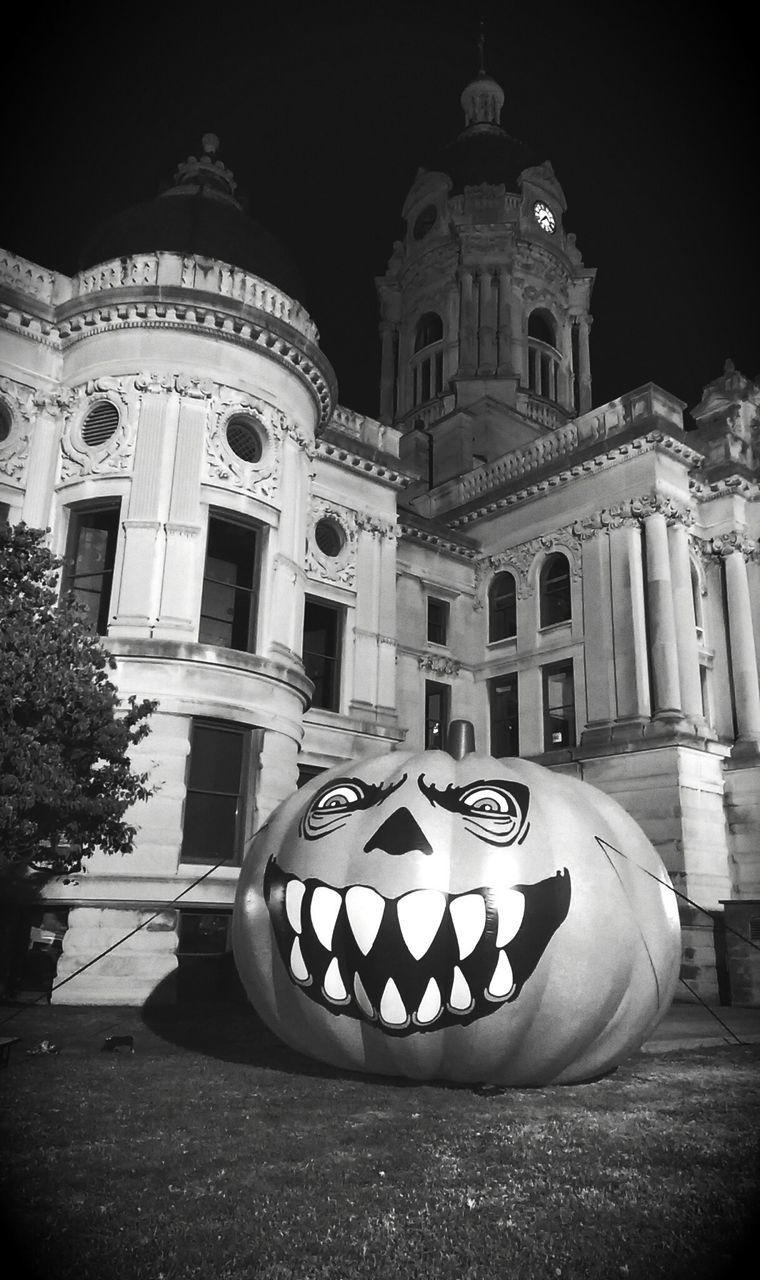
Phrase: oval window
x=100 y=424
x=243 y=438
x=329 y=537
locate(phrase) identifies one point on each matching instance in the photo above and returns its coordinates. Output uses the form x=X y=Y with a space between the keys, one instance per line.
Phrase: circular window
x=243 y=438
x=329 y=537
x=100 y=424
x=5 y=423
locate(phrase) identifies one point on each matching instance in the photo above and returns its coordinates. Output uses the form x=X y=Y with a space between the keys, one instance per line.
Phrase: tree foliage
x=66 y=779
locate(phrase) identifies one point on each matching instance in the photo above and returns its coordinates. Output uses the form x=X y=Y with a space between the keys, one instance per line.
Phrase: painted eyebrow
x=374 y=792
x=448 y=797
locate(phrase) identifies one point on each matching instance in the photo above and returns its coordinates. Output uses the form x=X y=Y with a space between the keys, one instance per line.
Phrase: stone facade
x=583 y=583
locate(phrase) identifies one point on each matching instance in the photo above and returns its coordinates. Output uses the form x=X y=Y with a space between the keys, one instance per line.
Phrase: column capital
x=732 y=543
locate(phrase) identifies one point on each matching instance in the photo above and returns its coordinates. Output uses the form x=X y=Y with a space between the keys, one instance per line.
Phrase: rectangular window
x=559 y=705
x=89 y=561
x=437 y=711
x=205 y=966
x=437 y=620
x=502 y=698
x=227 y=604
x=322 y=641
x=219 y=794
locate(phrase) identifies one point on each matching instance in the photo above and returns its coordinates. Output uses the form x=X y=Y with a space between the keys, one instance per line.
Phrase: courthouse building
x=298 y=584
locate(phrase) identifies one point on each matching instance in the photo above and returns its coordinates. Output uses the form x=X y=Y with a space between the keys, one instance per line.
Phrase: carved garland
x=339 y=570
x=73 y=404
x=14 y=450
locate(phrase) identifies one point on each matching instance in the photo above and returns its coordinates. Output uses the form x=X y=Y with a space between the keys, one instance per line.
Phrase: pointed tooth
x=297 y=963
x=419 y=915
x=503 y=980
x=362 y=999
x=430 y=1004
x=468 y=914
x=511 y=907
x=333 y=984
x=325 y=905
x=392 y=1008
x=461 y=997
x=365 y=909
x=293 y=900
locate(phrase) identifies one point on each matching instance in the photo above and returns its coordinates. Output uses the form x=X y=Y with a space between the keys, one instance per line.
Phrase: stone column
x=136 y=598
x=286 y=572
x=629 y=624
x=183 y=572
x=584 y=360
x=662 y=622
x=467 y=323
x=742 y=645
x=686 y=624
x=504 y=329
x=388 y=339
x=44 y=437
x=386 y=676
x=519 y=346
x=487 y=323
x=597 y=630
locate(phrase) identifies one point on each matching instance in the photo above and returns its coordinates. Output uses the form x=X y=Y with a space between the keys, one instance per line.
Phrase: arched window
x=427 y=361
x=543 y=356
x=554 y=590
x=502 y=607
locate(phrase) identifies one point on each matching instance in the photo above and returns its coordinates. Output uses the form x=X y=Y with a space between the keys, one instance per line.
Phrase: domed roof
x=483 y=152
x=199 y=214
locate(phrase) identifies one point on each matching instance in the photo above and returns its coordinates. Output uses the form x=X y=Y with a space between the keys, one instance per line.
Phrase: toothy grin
x=422 y=961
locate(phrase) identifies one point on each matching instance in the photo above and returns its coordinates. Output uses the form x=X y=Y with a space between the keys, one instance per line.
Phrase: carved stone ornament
x=260 y=478
x=520 y=561
x=632 y=513
x=339 y=569
x=116 y=453
x=439 y=666
x=366 y=522
x=14 y=449
x=729 y=543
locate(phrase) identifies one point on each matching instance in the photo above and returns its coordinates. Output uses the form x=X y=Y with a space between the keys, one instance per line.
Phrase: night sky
x=325 y=113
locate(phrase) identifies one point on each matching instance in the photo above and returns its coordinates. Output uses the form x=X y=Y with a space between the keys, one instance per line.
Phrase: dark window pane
x=505 y=734
x=321 y=652
x=213 y=795
x=559 y=706
x=438 y=620
x=555 y=591
x=437 y=703
x=90 y=562
x=227 y=600
x=502 y=608
x=203 y=933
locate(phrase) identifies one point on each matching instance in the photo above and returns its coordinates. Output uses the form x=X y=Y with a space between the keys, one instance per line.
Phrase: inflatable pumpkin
x=472 y=919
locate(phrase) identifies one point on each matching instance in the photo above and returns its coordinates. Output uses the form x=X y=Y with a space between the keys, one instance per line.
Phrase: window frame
x=563 y=667
x=335 y=660
x=441 y=626
x=77 y=518
x=245 y=802
x=549 y=595
x=433 y=742
x=218 y=518
x=508 y=610
x=427 y=361
x=513 y=678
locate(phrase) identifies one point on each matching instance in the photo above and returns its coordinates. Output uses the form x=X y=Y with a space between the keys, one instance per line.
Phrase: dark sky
x=324 y=114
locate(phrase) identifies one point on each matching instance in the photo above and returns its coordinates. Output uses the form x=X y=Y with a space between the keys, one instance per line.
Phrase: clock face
x=425 y=221
x=544 y=217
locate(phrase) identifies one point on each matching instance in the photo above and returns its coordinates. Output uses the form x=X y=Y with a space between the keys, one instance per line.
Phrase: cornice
x=436 y=540
x=377 y=466
x=653 y=440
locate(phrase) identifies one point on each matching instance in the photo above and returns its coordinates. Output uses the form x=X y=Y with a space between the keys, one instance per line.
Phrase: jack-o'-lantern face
x=427 y=958
x=470 y=919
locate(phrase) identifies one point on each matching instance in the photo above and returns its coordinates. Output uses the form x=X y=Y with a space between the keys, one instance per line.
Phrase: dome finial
x=482 y=49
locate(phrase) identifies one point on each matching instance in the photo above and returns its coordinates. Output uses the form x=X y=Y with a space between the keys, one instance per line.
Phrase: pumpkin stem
x=461 y=739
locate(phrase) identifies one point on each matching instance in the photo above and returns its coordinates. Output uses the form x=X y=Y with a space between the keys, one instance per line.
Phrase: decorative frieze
x=439 y=666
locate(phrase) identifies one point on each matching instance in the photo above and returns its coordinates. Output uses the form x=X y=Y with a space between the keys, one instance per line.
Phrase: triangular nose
x=399 y=834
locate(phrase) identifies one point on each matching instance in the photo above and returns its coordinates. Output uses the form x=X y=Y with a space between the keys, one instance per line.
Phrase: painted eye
x=491 y=801
x=341 y=796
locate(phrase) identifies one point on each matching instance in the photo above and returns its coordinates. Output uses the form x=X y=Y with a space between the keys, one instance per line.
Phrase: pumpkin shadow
x=225 y=1026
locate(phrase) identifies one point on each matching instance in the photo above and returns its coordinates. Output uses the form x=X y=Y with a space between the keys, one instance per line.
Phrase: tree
x=66 y=779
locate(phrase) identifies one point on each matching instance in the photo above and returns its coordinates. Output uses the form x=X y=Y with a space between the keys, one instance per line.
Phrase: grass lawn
x=214 y=1152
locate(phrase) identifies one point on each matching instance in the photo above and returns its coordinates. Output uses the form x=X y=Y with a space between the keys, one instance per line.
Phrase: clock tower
x=485 y=303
